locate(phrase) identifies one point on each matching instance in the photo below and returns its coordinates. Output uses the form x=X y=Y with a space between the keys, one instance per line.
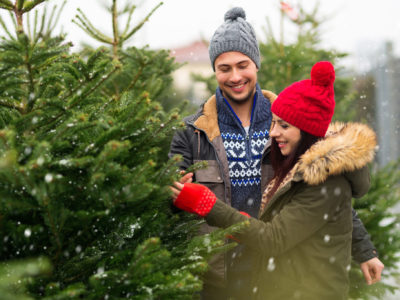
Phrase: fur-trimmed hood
x=345 y=148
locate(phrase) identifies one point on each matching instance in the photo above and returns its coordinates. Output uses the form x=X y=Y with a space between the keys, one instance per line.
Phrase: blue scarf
x=244 y=150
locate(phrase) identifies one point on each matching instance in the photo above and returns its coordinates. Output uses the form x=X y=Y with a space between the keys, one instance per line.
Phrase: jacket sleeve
x=362 y=248
x=297 y=221
x=360 y=181
x=181 y=144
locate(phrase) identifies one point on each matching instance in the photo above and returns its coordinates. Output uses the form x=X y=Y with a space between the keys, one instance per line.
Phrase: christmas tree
x=85 y=208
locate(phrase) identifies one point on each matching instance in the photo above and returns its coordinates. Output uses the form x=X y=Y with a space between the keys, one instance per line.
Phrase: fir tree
x=286 y=62
x=84 y=172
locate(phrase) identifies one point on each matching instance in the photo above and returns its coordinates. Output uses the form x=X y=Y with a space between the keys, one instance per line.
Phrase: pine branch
x=51 y=17
x=50 y=26
x=6 y=29
x=88 y=27
x=137 y=76
x=171 y=164
x=60 y=133
x=115 y=29
x=31 y=86
x=155 y=133
x=131 y=114
x=89 y=31
x=29 y=26
x=38 y=33
x=140 y=25
x=53 y=229
x=19 y=4
x=6 y=4
x=42 y=24
x=97 y=85
x=13 y=20
x=28 y=5
x=75 y=101
x=12 y=106
x=128 y=23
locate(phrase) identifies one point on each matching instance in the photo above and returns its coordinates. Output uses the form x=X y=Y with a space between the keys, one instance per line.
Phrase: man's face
x=236 y=74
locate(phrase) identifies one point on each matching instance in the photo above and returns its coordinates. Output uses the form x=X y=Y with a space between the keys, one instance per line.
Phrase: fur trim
x=269 y=95
x=208 y=121
x=346 y=147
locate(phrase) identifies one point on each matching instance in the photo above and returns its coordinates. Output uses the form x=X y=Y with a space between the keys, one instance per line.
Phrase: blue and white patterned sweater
x=244 y=150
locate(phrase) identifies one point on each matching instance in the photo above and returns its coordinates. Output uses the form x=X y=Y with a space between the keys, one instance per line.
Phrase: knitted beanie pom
x=235 y=13
x=235 y=34
x=323 y=73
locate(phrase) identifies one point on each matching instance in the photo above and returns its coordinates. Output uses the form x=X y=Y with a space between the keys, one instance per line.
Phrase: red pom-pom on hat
x=323 y=73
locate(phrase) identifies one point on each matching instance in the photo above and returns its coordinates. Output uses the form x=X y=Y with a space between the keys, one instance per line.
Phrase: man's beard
x=241 y=101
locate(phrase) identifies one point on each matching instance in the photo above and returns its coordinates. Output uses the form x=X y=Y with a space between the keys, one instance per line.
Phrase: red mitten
x=195 y=198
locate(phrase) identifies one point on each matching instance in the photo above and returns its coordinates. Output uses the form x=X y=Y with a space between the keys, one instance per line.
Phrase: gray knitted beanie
x=235 y=34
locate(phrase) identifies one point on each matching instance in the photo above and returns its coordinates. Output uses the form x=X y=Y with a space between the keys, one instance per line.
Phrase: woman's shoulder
x=332 y=185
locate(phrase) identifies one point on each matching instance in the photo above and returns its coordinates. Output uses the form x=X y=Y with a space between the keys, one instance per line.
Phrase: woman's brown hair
x=283 y=164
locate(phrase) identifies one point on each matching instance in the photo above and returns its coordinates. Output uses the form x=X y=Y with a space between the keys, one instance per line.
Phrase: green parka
x=302 y=239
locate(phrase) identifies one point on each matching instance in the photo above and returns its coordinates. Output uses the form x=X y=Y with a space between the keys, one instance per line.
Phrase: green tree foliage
x=14 y=276
x=84 y=172
x=286 y=62
x=376 y=209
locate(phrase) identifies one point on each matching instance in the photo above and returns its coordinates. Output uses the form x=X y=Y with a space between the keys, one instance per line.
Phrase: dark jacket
x=302 y=239
x=201 y=141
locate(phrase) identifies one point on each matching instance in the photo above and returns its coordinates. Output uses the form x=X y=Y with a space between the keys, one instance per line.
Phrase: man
x=230 y=132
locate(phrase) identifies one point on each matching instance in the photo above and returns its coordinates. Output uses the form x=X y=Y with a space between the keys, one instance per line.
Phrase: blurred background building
x=387 y=103
x=195 y=60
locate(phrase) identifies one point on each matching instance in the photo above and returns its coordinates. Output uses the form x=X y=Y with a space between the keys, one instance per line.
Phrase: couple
x=278 y=163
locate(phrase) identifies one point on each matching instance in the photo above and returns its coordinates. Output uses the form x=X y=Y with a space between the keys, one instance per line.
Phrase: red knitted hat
x=309 y=104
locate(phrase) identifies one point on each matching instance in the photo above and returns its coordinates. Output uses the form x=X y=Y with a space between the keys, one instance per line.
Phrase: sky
x=358 y=27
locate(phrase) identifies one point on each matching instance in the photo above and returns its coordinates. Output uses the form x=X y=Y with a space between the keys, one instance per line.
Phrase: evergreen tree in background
x=286 y=62
x=376 y=211
x=85 y=208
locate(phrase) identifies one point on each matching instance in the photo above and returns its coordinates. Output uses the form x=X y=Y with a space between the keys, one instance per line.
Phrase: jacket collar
x=207 y=120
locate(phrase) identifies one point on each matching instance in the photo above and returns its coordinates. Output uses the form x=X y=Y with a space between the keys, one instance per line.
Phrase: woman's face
x=286 y=136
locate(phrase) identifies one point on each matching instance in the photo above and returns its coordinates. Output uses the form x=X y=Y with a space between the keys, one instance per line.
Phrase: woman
x=302 y=239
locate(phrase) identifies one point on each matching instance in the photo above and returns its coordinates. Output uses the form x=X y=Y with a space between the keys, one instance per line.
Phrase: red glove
x=195 y=198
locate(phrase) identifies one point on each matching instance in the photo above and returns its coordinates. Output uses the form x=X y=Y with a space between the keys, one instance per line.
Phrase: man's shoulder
x=207 y=108
x=189 y=120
